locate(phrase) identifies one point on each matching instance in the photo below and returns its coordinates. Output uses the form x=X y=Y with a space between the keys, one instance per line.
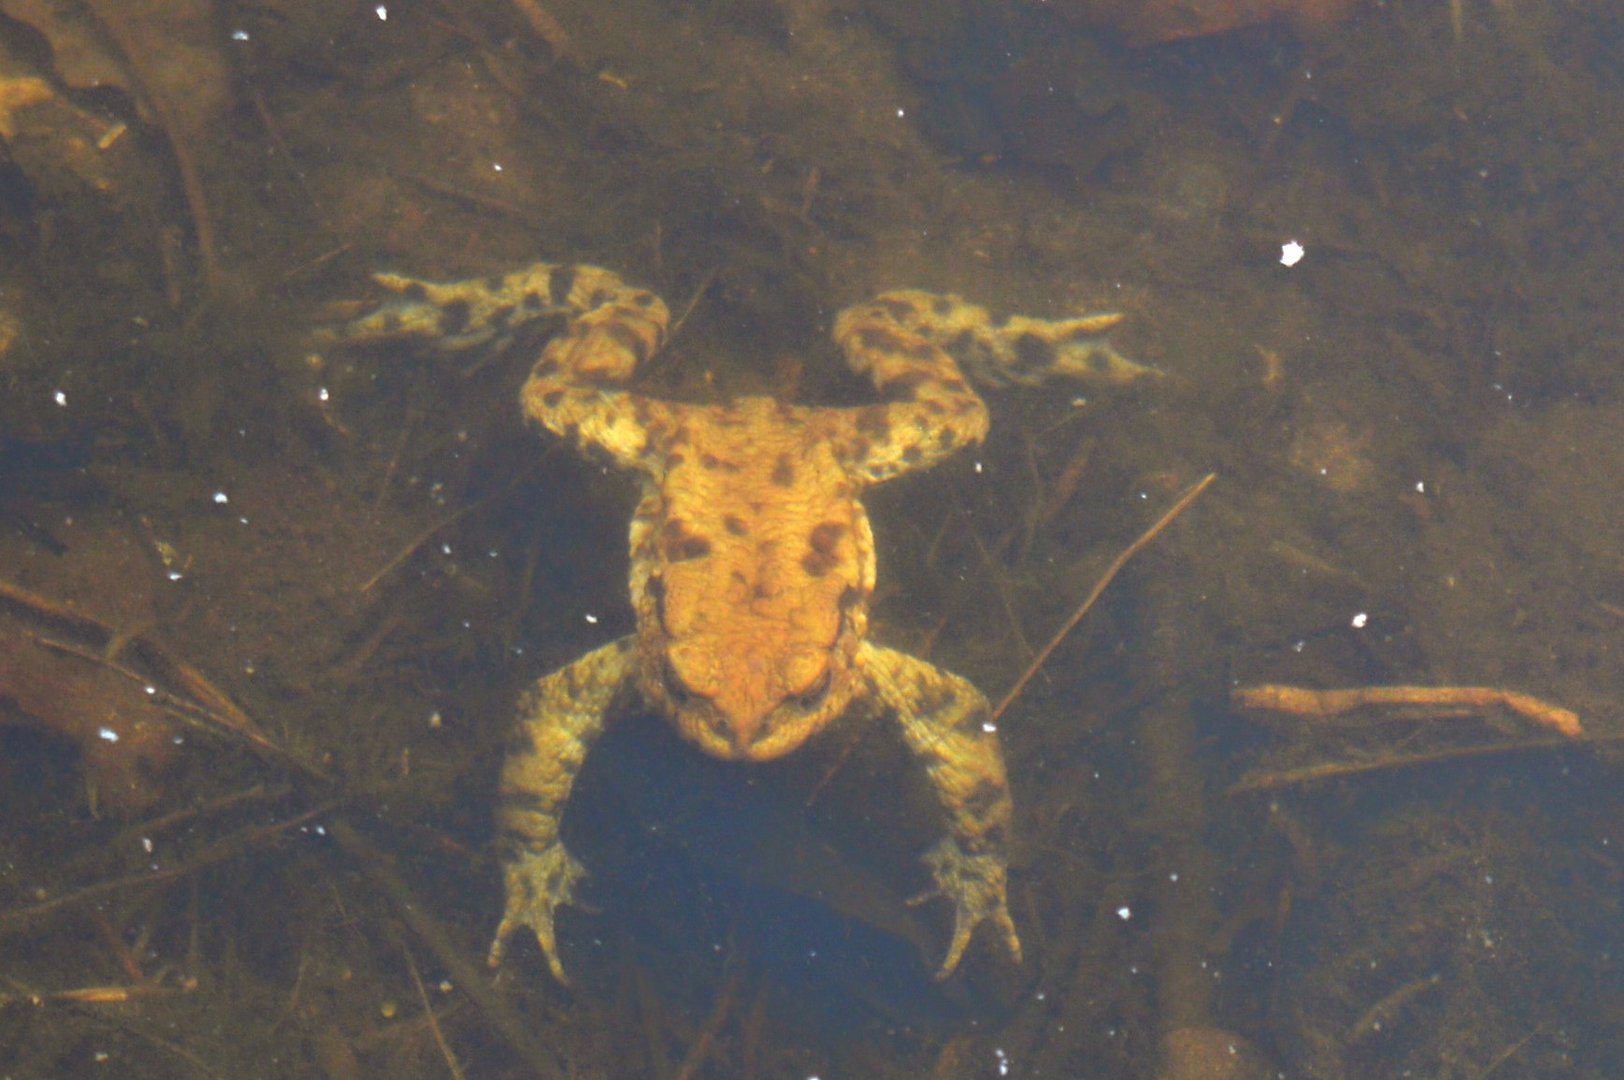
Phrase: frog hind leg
x=944 y=721
x=453 y=315
x=1017 y=350
x=468 y=314
x=560 y=718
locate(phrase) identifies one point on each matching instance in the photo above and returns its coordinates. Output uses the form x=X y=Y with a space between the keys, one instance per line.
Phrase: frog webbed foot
x=976 y=884
x=538 y=883
x=1032 y=351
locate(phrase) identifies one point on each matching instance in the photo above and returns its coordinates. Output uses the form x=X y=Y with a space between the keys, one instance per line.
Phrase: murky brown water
x=1417 y=429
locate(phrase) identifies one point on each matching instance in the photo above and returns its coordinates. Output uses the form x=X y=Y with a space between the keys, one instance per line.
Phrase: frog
x=752 y=562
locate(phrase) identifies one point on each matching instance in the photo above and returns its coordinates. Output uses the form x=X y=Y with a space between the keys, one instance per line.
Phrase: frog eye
x=679 y=692
x=814 y=695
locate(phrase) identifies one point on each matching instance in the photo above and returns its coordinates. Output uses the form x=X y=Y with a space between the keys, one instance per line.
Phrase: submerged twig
x=479 y=200
x=1099 y=588
x=233 y=723
x=87 y=995
x=547 y=27
x=216 y=852
x=203 y=703
x=501 y=1016
x=451 y=1062
x=693 y=301
x=700 y=1049
x=424 y=537
x=1335 y=770
x=1301 y=701
x=110 y=18
x=1382 y=1015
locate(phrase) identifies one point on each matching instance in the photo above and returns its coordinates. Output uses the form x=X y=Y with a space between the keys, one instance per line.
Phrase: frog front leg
x=576 y=388
x=945 y=723
x=560 y=719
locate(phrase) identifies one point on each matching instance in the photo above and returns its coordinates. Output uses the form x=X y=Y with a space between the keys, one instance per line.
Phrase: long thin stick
x=1100 y=586
x=219 y=851
x=1333 y=770
x=234 y=723
x=428 y=1014
x=1301 y=701
x=694 y=1060
x=425 y=536
x=521 y=1033
x=211 y=704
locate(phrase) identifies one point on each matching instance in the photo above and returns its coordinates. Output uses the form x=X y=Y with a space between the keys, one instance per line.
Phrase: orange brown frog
x=752 y=561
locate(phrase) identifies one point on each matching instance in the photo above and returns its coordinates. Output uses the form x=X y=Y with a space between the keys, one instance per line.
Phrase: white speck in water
x=1359 y=621
x=1291 y=253
x=60 y=398
x=107 y=734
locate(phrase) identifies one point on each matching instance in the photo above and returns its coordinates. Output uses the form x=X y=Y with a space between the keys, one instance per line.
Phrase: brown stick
x=547 y=27
x=233 y=722
x=110 y=20
x=1334 y=770
x=1300 y=701
x=1100 y=586
x=518 y=1031
x=428 y=1014
x=95 y=995
x=425 y=536
x=694 y=1060
x=218 y=851
x=205 y=706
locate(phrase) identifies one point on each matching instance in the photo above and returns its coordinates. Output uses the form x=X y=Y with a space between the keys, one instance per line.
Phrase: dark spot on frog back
x=783 y=471
x=823 y=547
x=678 y=544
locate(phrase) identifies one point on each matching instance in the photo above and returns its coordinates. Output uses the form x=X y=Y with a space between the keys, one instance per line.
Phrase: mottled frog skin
x=752 y=561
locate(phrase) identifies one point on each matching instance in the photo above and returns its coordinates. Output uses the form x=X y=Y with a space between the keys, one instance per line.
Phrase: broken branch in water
x=1300 y=701
x=1099 y=588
